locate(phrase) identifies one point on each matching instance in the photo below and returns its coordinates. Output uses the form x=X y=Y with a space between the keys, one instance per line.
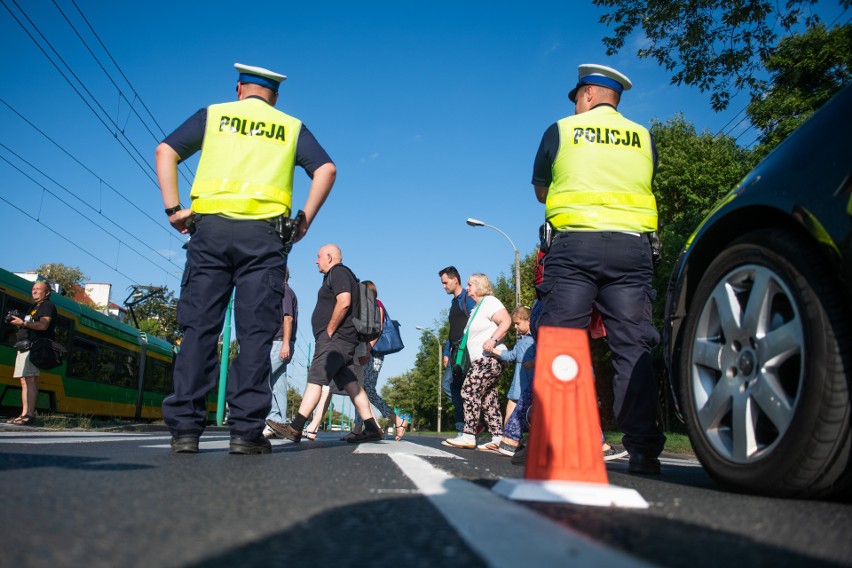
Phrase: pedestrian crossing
x=220 y=441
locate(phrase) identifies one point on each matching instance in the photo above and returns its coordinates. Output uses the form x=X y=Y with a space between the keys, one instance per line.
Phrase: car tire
x=762 y=370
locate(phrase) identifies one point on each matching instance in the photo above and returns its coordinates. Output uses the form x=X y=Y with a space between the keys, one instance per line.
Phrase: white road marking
x=481 y=518
x=403 y=448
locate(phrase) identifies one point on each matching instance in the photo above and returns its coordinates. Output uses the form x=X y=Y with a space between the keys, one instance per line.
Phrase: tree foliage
x=69 y=278
x=157 y=314
x=806 y=71
x=695 y=171
x=715 y=45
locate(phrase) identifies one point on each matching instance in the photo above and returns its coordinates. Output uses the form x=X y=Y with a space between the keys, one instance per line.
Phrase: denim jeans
x=278 y=380
x=452 y=389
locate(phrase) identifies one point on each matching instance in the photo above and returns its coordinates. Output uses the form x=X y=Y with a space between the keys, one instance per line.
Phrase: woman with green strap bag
x=488 y=324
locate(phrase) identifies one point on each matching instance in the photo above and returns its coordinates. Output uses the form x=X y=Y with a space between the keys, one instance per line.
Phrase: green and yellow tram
x=112 y=369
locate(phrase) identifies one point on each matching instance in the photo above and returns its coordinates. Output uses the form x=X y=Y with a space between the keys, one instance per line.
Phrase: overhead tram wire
x=117 y=88
x=144 y=165
x=95 y=57
x=79 y=212
x=85 y=167
x=117 y=66
x=69 y=241
x=81 y=201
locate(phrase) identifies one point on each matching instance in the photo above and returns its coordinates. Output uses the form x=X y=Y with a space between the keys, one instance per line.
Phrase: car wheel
x=762 y=370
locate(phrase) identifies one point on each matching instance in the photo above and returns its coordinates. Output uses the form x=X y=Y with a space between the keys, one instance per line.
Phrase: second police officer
x=593 y=170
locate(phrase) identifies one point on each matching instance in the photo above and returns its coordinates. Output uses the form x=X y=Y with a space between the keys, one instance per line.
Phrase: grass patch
x=79 y=422
x=676 y=443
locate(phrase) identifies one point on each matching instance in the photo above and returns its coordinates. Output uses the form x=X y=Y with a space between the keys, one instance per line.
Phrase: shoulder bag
x=461 y=364
x=390 y=340
x=46 y=353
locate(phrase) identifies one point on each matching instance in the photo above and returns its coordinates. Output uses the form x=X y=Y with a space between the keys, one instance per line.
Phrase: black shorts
x=334 y=360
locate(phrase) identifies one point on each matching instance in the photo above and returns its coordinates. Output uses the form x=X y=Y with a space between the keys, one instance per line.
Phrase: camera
x=12 y=314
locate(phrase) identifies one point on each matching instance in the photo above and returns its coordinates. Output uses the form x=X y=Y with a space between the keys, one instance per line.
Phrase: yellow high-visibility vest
x=602 y=175
x=247 y=161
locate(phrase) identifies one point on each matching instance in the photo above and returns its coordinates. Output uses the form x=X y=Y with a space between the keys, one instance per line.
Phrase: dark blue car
x=758 y=320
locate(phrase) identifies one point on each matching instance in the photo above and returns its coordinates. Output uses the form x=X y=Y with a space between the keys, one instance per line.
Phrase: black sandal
x=404 y=427
x=23 y=420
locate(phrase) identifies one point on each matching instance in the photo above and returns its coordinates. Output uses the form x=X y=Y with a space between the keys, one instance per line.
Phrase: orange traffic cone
x=564 y=457
x=565 y=435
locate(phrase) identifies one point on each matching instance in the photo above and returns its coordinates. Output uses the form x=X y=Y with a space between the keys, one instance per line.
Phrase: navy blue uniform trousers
x=226 y=254
x=614 y=271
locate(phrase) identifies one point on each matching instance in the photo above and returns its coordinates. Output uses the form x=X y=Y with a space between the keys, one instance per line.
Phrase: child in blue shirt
x=520 y=392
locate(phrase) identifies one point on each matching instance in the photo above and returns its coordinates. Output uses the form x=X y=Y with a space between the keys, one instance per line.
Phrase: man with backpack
x=460 y=309
x=333 y=322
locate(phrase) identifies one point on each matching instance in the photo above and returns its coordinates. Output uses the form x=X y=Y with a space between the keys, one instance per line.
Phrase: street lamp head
x=475 y=222
x=421 y=328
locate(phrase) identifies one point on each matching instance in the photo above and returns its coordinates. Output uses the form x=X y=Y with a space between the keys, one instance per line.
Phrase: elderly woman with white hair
x=488 y=324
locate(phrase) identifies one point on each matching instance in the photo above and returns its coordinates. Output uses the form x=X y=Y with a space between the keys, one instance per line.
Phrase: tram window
x=168 y=386
x=83 y=359
x=105 y=364
x=126 y=369
x=62 y=330
x=155 y=374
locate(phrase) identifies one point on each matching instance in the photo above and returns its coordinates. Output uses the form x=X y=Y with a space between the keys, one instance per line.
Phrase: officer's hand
x=178 y=220
x=446 y=360
x=301 y=230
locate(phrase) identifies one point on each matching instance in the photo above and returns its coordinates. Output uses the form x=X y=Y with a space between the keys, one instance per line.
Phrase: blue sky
x=432 y=112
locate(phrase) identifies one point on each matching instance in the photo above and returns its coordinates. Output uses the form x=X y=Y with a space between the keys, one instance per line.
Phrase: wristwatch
x=172 y=210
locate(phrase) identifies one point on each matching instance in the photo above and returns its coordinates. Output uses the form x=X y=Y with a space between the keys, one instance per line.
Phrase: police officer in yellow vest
x=593 y=170
x=242 y=191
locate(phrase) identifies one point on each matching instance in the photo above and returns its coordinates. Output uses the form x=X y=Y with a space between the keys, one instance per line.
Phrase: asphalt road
x=122 y=499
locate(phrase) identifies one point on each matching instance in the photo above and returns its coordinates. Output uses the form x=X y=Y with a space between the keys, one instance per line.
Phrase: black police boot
x=643 y=465
x=259 y=445
x=185 y=444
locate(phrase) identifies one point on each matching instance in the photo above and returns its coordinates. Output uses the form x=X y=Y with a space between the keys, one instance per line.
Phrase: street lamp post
x=477 y=223
x=440 y=374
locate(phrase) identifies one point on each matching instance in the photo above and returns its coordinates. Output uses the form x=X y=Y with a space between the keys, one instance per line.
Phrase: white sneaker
x=461 y=441
x=614 y=453
x=269 y=433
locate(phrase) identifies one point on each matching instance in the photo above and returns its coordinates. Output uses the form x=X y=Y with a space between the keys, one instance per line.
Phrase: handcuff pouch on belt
x=545 y=236
x=288 y=228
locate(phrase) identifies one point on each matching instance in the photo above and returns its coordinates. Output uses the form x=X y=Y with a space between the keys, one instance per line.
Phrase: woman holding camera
x=39 y=321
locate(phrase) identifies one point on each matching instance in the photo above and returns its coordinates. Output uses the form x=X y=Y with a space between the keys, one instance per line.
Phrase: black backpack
x=366 y=316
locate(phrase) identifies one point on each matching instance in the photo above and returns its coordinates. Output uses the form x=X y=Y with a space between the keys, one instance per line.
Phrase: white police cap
x=259 y=76
x=601 y=75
